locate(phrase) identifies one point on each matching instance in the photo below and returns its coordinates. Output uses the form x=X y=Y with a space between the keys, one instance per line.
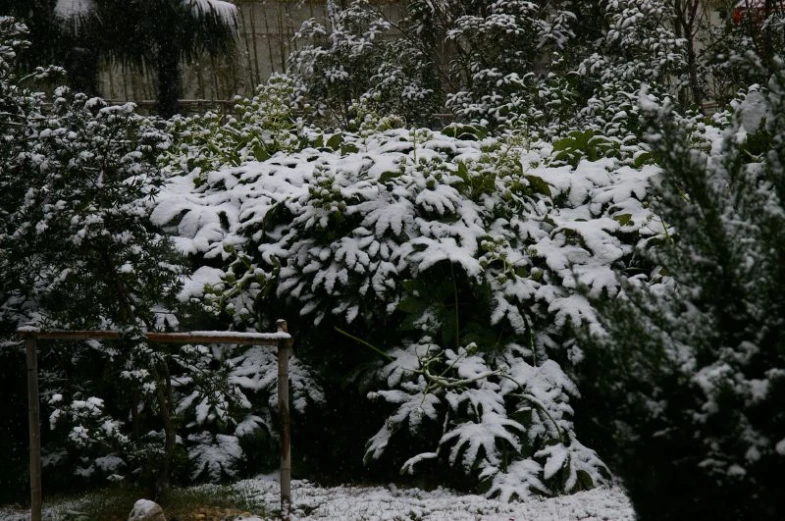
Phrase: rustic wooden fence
x=281 y=339
x=265 y=38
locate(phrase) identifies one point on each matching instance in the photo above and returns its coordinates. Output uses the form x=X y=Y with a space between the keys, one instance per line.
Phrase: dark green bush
x=686 y=378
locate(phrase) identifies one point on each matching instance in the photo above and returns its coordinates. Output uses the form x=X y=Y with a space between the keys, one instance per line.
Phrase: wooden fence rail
x=281 y=339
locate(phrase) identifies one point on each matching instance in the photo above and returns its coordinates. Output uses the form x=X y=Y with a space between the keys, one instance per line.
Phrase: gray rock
x=146 y=510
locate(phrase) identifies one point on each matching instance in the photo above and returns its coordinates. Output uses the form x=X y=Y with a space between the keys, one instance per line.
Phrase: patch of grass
x=109 y=504
x=201 y=503
x=216 y=501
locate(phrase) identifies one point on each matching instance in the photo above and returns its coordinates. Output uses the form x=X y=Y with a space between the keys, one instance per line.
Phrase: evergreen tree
x=687 y=374
x=17 y=106
x=77 y=249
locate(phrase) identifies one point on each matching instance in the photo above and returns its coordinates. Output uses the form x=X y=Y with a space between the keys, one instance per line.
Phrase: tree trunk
x=136 y=426
x=82 y=68
x=695 y=84
x=168 y=79
x=686 y=14
x=164 y=395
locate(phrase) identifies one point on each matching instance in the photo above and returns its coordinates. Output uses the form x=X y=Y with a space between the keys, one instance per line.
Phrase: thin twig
x=365 y=343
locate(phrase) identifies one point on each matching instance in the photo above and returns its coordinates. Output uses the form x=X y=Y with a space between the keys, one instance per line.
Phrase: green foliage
x=588 y=145
x=465 y=131
x=497 y=419
x=90 y=170
x=76 y=181
x=638 y=49
x=254 y=129
x=506 y=65
x=516 y=72
x=77 y=250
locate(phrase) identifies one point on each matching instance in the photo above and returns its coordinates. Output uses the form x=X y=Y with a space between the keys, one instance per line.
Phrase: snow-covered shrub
x=638 y=48
x=540 y=67
x=77 y=250
x=512 y=58
x=19 y=104
x=694 y=358
x=498 y=418
x=83 y=255
x=227 y=397
x=91 y=437
x=413 y=235
x=360 y=58
x=81 y=186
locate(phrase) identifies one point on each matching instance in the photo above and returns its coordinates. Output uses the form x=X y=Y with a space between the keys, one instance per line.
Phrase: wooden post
x=284 y=350
x=34 y=426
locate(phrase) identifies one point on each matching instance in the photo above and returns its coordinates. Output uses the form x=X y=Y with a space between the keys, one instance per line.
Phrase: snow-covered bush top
x=356 y=224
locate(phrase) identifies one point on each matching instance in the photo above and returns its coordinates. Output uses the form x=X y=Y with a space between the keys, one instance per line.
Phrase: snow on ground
x=391 y=504
x=358 y=503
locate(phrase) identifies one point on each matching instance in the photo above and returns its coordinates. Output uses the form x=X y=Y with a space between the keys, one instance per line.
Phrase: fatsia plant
x=227 y=397
x=397 y=235
x=499 y=418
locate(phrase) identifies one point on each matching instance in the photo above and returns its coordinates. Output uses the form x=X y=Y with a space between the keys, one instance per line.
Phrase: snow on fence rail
x=281 y=339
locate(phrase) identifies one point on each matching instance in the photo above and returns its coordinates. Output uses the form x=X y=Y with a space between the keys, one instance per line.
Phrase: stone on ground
x=146 y=510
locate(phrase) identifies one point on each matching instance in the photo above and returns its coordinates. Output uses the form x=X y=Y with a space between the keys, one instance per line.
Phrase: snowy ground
x=348 y=503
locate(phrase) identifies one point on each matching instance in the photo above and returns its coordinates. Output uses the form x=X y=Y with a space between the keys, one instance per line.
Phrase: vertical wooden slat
x=281 y=35
x=110 y=77
x=244 y=28
x=269 y=38
x=257 y=79
x=35 y=427
x=216 y=85
x=125 y=81
x=201 y=90
x=284 y=350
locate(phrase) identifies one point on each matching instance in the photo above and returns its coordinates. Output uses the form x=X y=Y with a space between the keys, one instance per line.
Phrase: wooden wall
x=265 y=38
